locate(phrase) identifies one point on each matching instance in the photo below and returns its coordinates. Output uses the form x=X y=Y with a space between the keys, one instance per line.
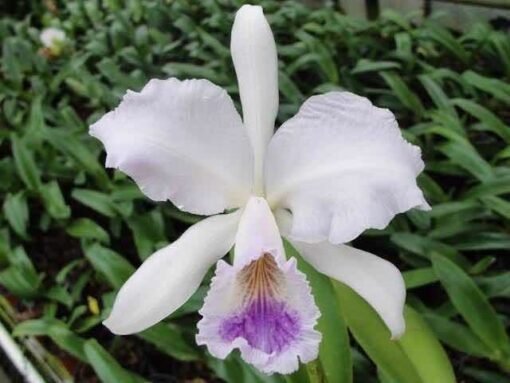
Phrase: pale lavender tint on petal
x=266 y=310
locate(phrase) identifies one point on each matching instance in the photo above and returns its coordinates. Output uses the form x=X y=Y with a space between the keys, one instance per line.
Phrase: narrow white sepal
x=168 y=278
x=254 y=54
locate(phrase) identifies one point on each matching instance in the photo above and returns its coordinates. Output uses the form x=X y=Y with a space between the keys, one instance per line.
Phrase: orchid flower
x=338 y=167
x=53 y=39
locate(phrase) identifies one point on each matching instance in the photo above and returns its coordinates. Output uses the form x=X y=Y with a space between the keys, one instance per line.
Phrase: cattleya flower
x=338 y=167
x=53 y=39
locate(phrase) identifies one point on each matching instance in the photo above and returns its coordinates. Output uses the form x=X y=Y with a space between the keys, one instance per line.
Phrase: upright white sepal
x=254 y=54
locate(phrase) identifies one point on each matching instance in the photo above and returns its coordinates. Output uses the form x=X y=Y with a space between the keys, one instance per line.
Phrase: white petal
x=341 y=166
x=257 y=233
x=254 y=54
x=169 y=277
x=373 y=278
x=182 y=141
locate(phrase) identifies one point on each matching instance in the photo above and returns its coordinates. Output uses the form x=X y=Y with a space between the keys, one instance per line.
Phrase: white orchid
x=338 y=167
x=53 y=39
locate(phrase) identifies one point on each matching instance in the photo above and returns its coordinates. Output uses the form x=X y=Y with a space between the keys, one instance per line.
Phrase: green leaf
x=16 y=212
x=425 y=351
x=444 y=37
x=495 y=285
x=490 y=120
x=419 y=277
x=497 y=88
x=334 y=353
x=19 y=282
x=406 y=96
x=106 y=366
x=437 y=94
x=73 y=147
x=112 y=266
x=364 y=66
x=472 y=304
x=375 y=338
x=469 y=159
x=457 y=336
x=148 y=232
x=233 y=369
x=25 y=164
x=100 y=202
x=422 y=246
x=54 y=201
x=169 y=339
x=57 y=331
x=86 y=228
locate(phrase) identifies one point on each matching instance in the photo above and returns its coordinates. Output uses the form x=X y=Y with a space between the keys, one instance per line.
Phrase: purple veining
x=266 y=324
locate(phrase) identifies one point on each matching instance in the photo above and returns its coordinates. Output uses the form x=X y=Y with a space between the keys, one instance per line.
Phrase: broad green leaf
x=15 y=209
x=425 y=351
x=473 y=305
x=375 y=338
x=25 y=164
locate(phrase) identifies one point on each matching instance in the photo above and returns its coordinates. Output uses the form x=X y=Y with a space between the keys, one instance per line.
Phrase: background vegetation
x=72 y=232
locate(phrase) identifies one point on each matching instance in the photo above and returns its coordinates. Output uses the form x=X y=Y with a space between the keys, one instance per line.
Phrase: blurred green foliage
x=71 y=232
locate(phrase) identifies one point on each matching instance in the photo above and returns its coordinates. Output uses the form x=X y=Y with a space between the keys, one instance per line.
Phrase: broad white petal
x=261 y=305
x=257 y=233
x=182 y=141
x=169 y=277
x=254 y=54
x=341 y=166
x=373 y=278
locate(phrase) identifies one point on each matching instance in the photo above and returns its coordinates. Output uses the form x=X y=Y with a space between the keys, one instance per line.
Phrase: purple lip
x=266 y=324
